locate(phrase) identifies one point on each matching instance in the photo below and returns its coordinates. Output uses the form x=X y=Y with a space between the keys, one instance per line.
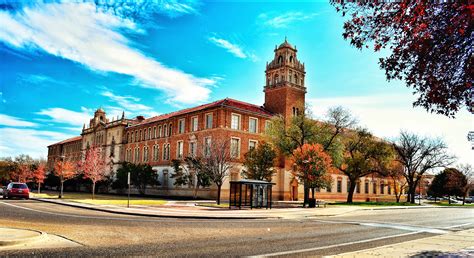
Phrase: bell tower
x=285 y=86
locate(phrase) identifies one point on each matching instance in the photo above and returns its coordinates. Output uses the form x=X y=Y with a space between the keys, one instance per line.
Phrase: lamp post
x=61 y=159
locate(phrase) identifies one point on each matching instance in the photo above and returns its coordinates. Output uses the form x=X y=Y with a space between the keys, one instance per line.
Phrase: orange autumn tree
x=39 y=174
x=65 y=170
x=313 y=166
x=94 y=167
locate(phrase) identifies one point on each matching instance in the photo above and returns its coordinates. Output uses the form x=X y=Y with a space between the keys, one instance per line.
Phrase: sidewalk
x=186 y=210
x=455 y=244
x=16 y=239
x=190 y=209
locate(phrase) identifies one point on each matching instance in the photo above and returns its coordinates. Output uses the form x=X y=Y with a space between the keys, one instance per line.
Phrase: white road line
x=333 y=246
x=460 y=225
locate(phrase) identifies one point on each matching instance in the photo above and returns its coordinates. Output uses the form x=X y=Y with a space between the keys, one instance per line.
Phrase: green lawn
x=371 y=204
x=102 y=199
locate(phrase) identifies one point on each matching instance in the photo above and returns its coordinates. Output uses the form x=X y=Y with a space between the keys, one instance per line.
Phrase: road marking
x=405 y=227
x=458 y=226
x=333 y=246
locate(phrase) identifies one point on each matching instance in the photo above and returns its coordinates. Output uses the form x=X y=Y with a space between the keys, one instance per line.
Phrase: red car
x=19 y=190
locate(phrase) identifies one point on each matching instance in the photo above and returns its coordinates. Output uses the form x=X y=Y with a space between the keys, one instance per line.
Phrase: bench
x=321 y=203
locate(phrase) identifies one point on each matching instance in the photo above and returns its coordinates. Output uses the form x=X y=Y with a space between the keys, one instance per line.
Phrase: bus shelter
x=250 y=193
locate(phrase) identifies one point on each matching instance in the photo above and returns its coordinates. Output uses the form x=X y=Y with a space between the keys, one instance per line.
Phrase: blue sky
x=61 y=61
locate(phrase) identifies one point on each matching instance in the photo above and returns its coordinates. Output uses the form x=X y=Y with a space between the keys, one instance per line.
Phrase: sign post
x=128 y=182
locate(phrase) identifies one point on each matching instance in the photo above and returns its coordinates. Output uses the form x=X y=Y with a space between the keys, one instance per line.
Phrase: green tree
x=303 y=129
x=364 y=155
x=259 y=162
x=191 y=172
x=449 y=182
x=141 y=176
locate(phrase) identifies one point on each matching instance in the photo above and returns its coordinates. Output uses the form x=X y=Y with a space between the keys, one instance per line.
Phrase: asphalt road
x=108 y=234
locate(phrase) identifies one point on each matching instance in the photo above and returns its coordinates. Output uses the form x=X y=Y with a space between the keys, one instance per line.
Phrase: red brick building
x=158 y=140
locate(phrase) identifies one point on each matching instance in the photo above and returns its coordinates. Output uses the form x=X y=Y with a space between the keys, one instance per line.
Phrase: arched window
x=280 y=59
x=296 y=78
x=276 y=78
x=291 y=59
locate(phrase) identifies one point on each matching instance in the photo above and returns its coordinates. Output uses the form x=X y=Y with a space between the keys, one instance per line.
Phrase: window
x=181 y=125
x=389 y=189
x=160 y=132
x=154 y=132
x=267 y=124
x=140 y=135
x=253 y=122
x=170 y=129
x=374 y=187
x=145 y=154
x=366 y=187
x=193 y=149
x=137 y=155
x=165 y=130
x=209 y=121
x=166 y=151
x=358 y=187
x=194 y=124
x=382 y=187
x=339 y=186
x=207 y=146
x=156 y=152
x=252 y=144
x=329 y=188
x=149 y=133
x=234 y=147
x=179 y=150
x=235 y=122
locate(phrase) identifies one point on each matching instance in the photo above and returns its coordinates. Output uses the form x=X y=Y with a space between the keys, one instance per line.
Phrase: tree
x=259 y=162
x=468 y=172
x=363 y=155
x=191 y=172
x=303 y=129
x=430 y=43
x=419 y=155
x=216 y=163
x=65 y=170
x=94 y=167
x=141 y=176
x=39 y=174
x=448 y=182
x=313 y=166
x=394 y=170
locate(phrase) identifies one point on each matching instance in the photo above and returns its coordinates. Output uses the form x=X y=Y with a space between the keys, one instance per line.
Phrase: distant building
x=158 y=140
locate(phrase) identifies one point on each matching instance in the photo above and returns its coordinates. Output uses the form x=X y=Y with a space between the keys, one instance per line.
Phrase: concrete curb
x=150 y=215
x=22 y=240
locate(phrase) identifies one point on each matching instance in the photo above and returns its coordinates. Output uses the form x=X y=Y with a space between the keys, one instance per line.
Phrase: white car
x=1 y=190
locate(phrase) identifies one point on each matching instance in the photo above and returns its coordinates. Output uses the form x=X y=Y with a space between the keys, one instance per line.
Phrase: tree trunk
x=39 y=187
x=219 y=194
x=350 y=195
x=61 y=192
x=93 y=190
x=463 y=199
x=312 y=192
x=306 y=194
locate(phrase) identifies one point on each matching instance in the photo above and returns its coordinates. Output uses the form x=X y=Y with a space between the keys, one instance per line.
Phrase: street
x=109 y=234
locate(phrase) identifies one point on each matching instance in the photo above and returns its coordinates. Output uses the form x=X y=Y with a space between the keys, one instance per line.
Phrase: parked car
x=1 y=190
x=19 y=190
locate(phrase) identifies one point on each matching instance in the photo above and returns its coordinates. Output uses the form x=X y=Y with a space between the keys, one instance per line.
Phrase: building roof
x=73 y=139
x=286 y=44
x=227 y=102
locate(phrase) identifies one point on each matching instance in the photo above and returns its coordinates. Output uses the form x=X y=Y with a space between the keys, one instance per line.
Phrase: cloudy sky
x=61 y=61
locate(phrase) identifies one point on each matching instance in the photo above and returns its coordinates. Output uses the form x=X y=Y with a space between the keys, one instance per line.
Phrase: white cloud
x=66 y=116
x=84 y=34
x=284 y=20
x=233 y=48
x=7 y=120
x=386 y=115
x=126 y=102
x=15 y=141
